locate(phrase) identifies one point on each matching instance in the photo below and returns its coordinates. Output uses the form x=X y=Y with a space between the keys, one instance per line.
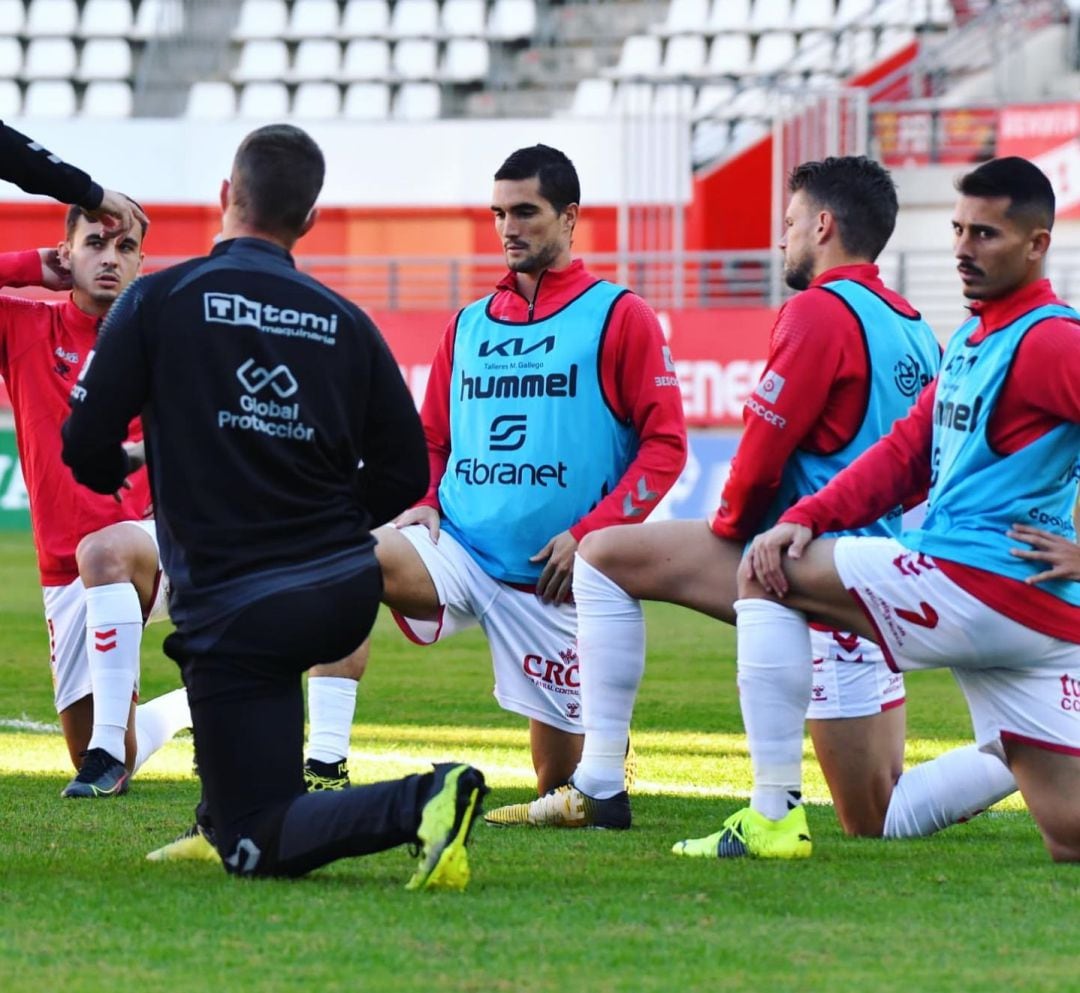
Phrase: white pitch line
x=25 y=724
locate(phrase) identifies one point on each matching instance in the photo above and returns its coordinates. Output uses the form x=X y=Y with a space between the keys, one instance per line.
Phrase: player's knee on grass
x=1050 y=784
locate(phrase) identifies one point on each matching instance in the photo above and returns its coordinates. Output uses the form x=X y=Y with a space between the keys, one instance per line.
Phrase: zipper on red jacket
x=536 y=293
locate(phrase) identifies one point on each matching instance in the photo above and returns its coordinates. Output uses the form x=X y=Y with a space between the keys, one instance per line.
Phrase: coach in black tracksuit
x=261 y=391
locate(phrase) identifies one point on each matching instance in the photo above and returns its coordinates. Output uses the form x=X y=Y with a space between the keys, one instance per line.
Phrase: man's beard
x=537 y=262
x=799 y=274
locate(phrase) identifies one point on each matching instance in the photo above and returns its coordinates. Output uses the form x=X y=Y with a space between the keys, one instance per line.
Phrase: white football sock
x=157 y=721
x=947 y=790
x=775 y=676
x=331 y=705
x=611 y=656
x=114 y=625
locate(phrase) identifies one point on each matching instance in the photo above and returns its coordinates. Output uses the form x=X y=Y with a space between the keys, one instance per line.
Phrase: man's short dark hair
x=1023 y=182
x=859 y=193
x=277 y=175
x=71 y=221
x=558 y=178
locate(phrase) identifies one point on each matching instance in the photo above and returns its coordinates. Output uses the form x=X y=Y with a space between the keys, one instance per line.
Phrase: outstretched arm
x=34 y=169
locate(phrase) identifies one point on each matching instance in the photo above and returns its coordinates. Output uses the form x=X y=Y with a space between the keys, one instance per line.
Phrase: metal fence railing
x=666 y=280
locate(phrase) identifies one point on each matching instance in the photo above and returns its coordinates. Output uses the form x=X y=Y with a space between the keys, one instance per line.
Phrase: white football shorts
x=65 y=619
x=533 y=644
x=1019 y=684
x=851 y=678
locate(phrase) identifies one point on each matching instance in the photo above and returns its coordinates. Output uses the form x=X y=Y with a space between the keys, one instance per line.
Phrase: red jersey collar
x=553 y=280
x=860 y=272
x=76 y=318
x=995 y=314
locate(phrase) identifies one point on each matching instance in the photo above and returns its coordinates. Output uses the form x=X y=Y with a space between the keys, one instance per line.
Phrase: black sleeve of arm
x=395 y=470
x=36 y=170
x=110 y=392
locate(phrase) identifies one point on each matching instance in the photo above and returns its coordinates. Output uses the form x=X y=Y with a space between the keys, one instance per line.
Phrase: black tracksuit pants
x=243 y=678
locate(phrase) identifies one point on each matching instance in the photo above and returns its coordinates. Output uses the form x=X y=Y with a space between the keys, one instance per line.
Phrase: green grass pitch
x=977 y=908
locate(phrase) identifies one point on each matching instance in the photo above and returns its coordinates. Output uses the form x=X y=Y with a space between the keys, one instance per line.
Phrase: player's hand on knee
x=764 y=561
x=422 y=514
x=557 y=577
x=1062 y=555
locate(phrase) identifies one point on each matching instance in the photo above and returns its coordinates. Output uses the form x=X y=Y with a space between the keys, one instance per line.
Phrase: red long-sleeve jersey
x=637 y=379
x=1041 y=390
x=817 y=346
x=43 y=347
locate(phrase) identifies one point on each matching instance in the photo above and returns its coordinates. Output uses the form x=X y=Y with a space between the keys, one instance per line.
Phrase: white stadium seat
x=10 y=99
x=746 y=132
x=106 y=19
x=592 y=98
x=317 y=101
x=365 y=19
x=633 y=98
x=417 y=102
x=50 y=58
x=366 y=102
x=673 y=99
x=105 y=58
x=685 y=17
x=816 y=51
x=511 y=20
x=313 y=19
x=713 y=99
x=729 y=55
x=728 y=15
x=50 y=18
x=710 y=140
x=465 y=60
x=414 y=19
x=366 y=58
x=49 y=98
x=900 y=13
x=892 y=40
x=262 y=59
x=941 y=13
x=262 y=19
x=751 y=101
x=211 y=100
x=853 y=12
x=640 y=56
x=317 y=58
x=463 y=18
x=770 y=15
x=809 y=14
x=12 y=19
x=264 y=101
x=107 y=98
x=415 y=58
x=855 y=50
x=684 y=55
x=11 y=58
x=774 y=51
x=158 y=19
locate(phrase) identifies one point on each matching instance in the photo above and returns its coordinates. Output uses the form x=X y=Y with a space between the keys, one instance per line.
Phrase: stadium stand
x=488 y=57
